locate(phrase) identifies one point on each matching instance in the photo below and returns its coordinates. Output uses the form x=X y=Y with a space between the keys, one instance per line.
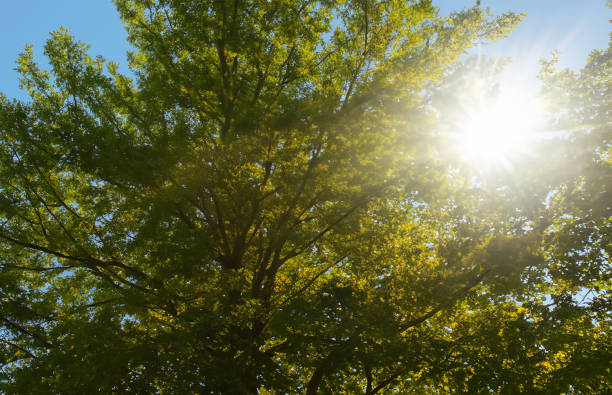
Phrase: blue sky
x=574 y=27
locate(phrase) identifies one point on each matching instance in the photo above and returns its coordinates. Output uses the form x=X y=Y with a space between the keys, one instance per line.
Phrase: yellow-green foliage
x=267 y=203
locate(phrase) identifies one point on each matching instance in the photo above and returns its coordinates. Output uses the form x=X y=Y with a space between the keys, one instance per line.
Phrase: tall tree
x=266 y=205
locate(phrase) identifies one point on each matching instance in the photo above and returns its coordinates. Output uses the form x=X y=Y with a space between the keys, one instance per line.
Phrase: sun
x=497 y=130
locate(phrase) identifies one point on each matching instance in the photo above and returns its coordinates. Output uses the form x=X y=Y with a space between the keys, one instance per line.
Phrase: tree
x=267 y=205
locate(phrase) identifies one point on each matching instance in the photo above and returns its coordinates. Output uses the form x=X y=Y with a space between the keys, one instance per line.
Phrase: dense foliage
x=270 y=202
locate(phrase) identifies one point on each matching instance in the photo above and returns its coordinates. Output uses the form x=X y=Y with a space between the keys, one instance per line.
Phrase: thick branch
x=315 y=381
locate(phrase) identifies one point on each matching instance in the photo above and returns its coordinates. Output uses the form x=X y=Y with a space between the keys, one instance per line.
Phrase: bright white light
x=495 y=130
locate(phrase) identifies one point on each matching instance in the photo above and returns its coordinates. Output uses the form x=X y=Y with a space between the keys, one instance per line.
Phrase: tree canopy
x=271 y=202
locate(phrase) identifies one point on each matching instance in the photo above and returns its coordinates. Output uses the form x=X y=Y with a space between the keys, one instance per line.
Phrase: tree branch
x=462 y=291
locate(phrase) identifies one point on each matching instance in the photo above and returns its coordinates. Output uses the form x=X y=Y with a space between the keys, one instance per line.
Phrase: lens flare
x=496 y=130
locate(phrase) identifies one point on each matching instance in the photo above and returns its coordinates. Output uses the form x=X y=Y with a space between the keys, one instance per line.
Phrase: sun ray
x=495 y=130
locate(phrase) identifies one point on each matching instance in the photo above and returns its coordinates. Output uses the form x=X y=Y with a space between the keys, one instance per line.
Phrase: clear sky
x=574 y=27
